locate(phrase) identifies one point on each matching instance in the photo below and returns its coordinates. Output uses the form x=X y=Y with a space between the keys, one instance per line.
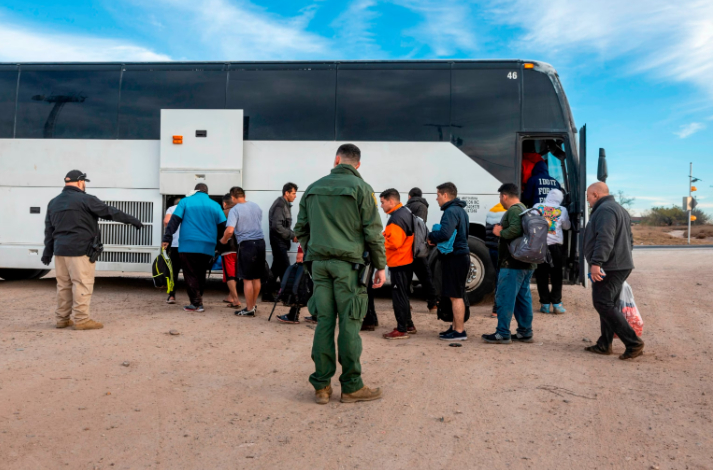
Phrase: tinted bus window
x=541 y=107
x=393 y=104
x=146 y=89
x=68 y=102
x=8 y=89
x=285 y=102
x=486 y=118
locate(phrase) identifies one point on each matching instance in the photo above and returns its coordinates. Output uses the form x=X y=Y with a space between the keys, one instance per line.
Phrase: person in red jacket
x=399 y=258
x=530 y=158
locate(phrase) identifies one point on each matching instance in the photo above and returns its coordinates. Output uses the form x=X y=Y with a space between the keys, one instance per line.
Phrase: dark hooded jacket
x=608 y=240
x=454 y=218
x=539 y=185
x=419 y=207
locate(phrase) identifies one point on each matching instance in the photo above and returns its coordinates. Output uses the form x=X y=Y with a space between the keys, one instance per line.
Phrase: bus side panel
x=107 y=163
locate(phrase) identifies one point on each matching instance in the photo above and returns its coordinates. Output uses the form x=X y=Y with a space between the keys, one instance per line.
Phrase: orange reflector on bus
x=529 y=66
x=177 y=139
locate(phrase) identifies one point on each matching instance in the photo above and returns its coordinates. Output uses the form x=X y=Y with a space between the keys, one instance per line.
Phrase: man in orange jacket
x=399 y=258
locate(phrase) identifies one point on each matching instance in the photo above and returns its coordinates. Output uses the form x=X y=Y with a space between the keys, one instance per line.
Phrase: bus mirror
x=602 y=173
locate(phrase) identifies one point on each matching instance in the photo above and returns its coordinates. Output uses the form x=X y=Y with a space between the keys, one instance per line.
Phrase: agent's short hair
x=448 y=188
x=288 y=187
x=391 y=193
x=226 y=198
x=509 y=189
x=237 y=192
x=349 y=153
x=202 y=187
x=415 y=192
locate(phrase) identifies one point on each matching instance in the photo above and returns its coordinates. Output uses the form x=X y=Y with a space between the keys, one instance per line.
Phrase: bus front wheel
x=22 y=274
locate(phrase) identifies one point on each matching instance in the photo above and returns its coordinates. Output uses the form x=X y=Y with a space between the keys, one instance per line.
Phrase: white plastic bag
x=629 y=309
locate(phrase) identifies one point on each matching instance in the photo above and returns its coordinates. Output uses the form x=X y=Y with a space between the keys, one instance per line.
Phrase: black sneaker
x=443 y=333
x=496 y=338
x=286 y=319
x=454 y=336
x=245 y=312
x=521 y=338
x=193 y=308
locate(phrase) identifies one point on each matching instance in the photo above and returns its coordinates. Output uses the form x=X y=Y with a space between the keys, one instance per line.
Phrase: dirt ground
x=649 y=235
x=232 y=393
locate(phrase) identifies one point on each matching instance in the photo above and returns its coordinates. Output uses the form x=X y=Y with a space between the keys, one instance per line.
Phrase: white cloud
x=671 y=40
x=447 y=26
x=230 y=31
x=689 y=129
x=26 y=45
x=354 y=30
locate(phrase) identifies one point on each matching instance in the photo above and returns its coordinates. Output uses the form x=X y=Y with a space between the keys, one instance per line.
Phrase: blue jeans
x=513 y=297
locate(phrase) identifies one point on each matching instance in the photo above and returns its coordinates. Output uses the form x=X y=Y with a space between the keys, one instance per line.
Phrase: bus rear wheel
x=22 y=274
x=481 y=275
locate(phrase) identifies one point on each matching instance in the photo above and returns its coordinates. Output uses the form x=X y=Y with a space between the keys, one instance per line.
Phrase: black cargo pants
x=605 y=297
x=401 y=278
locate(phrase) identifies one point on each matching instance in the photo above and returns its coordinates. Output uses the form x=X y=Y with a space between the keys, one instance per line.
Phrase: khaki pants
x=75 y=284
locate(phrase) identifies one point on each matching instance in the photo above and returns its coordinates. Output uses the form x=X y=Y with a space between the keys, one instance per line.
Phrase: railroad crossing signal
x=693 y=218
x=693 y=188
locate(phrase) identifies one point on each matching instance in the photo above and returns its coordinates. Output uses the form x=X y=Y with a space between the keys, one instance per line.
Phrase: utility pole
x=690 y=184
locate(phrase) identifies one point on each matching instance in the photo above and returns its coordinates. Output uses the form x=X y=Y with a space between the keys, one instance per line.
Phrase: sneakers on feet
x=523 y=339
x=545 y=308
x=193 y=308
x=286 y=319
x=558 y=308
x=171 y=300
x=396 y=334
x=245 y=312
x=454 y=336
x=312 y=319
x=443 y=333
x=496 y=338
x=366 y=327
x=411 y=330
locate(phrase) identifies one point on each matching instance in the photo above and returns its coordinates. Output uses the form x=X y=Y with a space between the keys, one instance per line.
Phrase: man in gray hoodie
x=608 y=243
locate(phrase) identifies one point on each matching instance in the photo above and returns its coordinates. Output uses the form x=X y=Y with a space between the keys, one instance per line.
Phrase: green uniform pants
x=337 y=294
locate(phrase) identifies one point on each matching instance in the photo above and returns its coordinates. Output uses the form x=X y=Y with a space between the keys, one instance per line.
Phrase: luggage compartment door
x=201 y=146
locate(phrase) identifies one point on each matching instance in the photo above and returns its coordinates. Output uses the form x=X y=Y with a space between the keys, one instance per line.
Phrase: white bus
x=260 y=125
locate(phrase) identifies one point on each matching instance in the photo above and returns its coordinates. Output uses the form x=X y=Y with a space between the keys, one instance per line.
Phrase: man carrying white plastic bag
x=608 y=244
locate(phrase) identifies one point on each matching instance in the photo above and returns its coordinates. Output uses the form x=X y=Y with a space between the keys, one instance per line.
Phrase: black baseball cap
x=74 y=176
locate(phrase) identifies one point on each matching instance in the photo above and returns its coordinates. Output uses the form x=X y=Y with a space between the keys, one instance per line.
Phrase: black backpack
x=445 y=309
x=162 y=272
x=296 y=288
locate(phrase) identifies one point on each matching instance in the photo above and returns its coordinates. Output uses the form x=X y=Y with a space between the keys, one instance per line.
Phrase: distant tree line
x=669 y=216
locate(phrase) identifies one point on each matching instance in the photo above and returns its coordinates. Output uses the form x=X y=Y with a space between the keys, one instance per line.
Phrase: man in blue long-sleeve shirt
x=456 y=264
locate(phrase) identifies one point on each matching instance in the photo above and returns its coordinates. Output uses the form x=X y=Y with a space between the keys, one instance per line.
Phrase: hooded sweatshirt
x=454 y=218
x=556 y=215
x=419 y=207
x=539 y=184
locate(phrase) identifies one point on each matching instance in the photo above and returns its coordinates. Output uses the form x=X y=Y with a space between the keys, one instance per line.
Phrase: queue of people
x=346 y=250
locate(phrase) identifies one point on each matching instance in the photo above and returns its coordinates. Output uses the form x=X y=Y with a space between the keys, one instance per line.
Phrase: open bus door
x=581 y=206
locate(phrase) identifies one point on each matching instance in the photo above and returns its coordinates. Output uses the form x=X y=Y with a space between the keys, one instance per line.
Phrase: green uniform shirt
x=512 y=229
x=339 y=219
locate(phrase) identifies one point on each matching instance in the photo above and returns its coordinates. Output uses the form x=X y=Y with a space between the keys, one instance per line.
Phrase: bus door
x=561 y=159
x=580 y=206
x=201 y=146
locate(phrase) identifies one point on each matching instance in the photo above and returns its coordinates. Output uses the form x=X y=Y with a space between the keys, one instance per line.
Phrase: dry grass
x=646 y=235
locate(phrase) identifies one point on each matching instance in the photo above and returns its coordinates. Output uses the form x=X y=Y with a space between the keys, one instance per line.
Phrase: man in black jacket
x=419 y=207
x=281 y=237
x=71 y=228
x=608 y=243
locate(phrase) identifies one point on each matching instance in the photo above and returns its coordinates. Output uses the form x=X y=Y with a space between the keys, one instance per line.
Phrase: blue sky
x=638 y=73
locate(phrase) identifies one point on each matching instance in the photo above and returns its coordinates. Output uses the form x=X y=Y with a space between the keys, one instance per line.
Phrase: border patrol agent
x=70 y=230
x=338 y=222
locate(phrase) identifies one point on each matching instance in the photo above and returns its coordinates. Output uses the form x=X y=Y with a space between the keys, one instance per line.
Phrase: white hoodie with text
x=556 y=216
